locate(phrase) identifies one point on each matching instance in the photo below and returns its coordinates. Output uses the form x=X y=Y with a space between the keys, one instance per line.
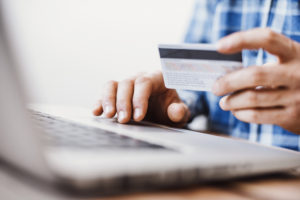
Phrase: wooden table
x=277 y=186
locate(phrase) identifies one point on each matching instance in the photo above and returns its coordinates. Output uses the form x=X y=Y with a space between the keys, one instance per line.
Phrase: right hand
x=142 y=97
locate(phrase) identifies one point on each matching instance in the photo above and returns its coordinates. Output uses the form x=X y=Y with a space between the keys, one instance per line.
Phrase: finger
x=265 y=38
x=250 y=77
x=124 y=100
x=109 y=98
x=158 y=85
x=256 y=99
x=178 y=112
x=142 y=91
x=261 y=116
x=98 y=110
x=145 y=86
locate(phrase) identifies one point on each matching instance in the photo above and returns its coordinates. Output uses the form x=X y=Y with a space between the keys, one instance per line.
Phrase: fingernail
x=121 y=116
x=223 y=103
x=137 y=113
x=108 y=109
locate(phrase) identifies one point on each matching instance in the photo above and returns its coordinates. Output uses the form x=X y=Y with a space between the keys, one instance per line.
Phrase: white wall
x=72 y=46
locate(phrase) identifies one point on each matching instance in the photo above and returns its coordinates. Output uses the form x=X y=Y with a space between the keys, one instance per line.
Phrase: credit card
x=195 y=66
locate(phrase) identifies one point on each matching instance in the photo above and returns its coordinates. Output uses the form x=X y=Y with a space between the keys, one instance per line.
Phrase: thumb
x=178 y=112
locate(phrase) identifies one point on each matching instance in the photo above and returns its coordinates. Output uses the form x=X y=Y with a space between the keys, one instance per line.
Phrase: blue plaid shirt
x=214 y=19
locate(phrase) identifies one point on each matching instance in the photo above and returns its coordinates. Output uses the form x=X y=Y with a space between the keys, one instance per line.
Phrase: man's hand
x=143 y=96
x=278 y=101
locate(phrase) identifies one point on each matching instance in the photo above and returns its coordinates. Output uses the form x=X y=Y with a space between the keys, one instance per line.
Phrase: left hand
x=278 y=102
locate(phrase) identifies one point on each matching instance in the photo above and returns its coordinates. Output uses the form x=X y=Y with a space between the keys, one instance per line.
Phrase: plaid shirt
x=212 y=20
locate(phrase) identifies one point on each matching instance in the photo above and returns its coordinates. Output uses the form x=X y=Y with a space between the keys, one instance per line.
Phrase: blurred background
x=69 y=48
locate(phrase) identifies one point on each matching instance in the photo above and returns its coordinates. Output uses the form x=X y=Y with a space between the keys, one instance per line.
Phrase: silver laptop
x=69 y=146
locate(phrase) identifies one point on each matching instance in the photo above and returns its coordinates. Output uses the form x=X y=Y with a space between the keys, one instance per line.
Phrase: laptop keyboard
x=64 y=133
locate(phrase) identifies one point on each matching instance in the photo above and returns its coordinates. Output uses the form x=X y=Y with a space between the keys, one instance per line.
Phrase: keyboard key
x=64 y=133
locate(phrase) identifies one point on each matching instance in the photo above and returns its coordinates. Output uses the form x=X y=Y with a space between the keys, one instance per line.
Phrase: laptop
x=68 y=146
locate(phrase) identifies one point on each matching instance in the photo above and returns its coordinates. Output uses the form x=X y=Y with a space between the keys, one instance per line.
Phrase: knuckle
x=293 y=112
x=293 y=46
x=253 y=116
x=127 y=82
x=257 y=75
x=294 y=77
x=297 y=98
x=109 y=93
x=296 y=80
x=269 y=35
x=108 y=98
x=123 y=105
x=138 y=100
x=122 y=99
x=252 y=97
x=242 y=38
x=140 y=104
x=291 y=75
x=156 y=73
x=143 y=80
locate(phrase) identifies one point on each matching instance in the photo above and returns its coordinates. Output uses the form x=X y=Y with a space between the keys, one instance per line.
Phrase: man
x=260 y=102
